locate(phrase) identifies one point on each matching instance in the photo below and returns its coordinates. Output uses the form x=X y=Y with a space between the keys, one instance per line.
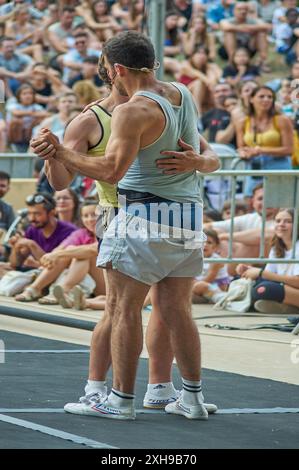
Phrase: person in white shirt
x=277 y=286
x=247 y=230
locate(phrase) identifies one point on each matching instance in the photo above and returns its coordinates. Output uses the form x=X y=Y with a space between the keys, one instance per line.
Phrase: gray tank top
x=144 y=176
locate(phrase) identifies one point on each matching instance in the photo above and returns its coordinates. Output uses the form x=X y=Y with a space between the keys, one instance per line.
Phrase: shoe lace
x=96 y=397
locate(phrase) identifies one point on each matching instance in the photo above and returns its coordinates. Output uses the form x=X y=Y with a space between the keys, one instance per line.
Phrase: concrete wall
x=20 y=188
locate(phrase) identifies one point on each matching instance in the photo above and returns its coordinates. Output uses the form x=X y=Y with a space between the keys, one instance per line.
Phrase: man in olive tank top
x=155 y=117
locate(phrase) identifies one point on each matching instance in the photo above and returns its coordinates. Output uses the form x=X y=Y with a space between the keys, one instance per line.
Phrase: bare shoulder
x=283 y=120
x=134 y=110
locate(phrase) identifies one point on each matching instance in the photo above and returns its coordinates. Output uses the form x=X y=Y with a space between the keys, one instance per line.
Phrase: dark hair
x=243 y=49
x=6 y=38
x=93 y=10
x=290 y=11
x=272 y=111
x=4 y=176
x=131 y=49
x=203 y=69
x=88 y=202
x=103 y=73
x=213 y=214
x=91 y=59
x=277 y=243
x=212 y=234
x=49 y=202
x=68 y=9
x=82 y=34
x=24 y=87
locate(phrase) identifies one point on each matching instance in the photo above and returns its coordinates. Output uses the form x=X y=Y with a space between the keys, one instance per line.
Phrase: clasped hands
x=46 y=145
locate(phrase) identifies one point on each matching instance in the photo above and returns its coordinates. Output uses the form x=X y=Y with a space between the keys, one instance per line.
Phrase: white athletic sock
x=192 y=394
x=166 y=388
x=121 y=399
x=94 y=386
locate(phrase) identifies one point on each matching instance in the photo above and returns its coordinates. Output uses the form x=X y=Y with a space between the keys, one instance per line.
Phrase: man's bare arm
x=127 y=124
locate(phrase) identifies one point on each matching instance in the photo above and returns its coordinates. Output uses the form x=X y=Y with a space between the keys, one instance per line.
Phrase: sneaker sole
x=188 y=416
x=97 y=414
x=269 y=306
x=211 y=409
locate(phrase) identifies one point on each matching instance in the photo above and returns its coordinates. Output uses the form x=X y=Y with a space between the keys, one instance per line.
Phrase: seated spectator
x=25 y=33
x=185 y=9
x=58 y=121
x=7 y=215
x=173 y=34
x=99 y=20
x=46 y=84
x=287 y=35
x=22 y=116
x=67 y=206
x=39 y=10
x=241 y=69
x=247 y=229
x=77 y=253
x=241 y=208
x=284 y=99
x=89 y=72
x=73 y=60
x=280 y=12
x=241 y=31
x=218 y=11
x=44 y=233
x=214 y=278
x=197 y=35
x=60 y=34
x=265 y=9
x=276 y=289
x=200 y=76
x=120 y=11
x=228 y=135
x=217 y=118
x=264 y=138
x=245 y=90
x=14 y=66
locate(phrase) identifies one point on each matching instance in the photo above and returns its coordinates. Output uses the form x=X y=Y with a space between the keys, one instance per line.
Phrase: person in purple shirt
x=44 y=233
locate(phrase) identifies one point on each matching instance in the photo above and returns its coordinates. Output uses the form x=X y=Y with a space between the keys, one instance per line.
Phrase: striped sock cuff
x=192 y=386
x=126 y=396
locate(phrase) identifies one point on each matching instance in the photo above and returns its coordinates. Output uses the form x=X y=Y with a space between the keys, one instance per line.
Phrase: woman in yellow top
x=264 y=137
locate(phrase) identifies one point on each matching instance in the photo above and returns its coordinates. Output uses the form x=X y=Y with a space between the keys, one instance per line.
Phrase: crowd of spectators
x=225 y=51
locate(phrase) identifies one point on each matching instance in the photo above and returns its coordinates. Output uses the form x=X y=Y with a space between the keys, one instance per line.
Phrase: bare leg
x=100 y=355
x=158 y=345
x=229 y=40
x=291 y=296
x=47 y=276
x=98 y=277
x=77 y=271
x=124 y=303
x=262 y=46
x=174 y=302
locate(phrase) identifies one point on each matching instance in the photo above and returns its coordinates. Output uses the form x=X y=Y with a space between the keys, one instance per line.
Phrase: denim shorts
x=132 y=246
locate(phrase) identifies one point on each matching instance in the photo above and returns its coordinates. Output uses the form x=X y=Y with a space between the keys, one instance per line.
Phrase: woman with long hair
x=67 y=205
x=198 y=35
x=277 y=286
x=244 y=91
x=264 y=137
x=98 y=18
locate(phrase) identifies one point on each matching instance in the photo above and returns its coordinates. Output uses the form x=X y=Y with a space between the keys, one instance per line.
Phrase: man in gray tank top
x=149 y=242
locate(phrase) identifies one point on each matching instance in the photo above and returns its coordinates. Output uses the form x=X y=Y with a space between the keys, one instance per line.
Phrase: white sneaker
x=106 y=409
x=189 y=411
x=84 y=406
x=159 y=400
